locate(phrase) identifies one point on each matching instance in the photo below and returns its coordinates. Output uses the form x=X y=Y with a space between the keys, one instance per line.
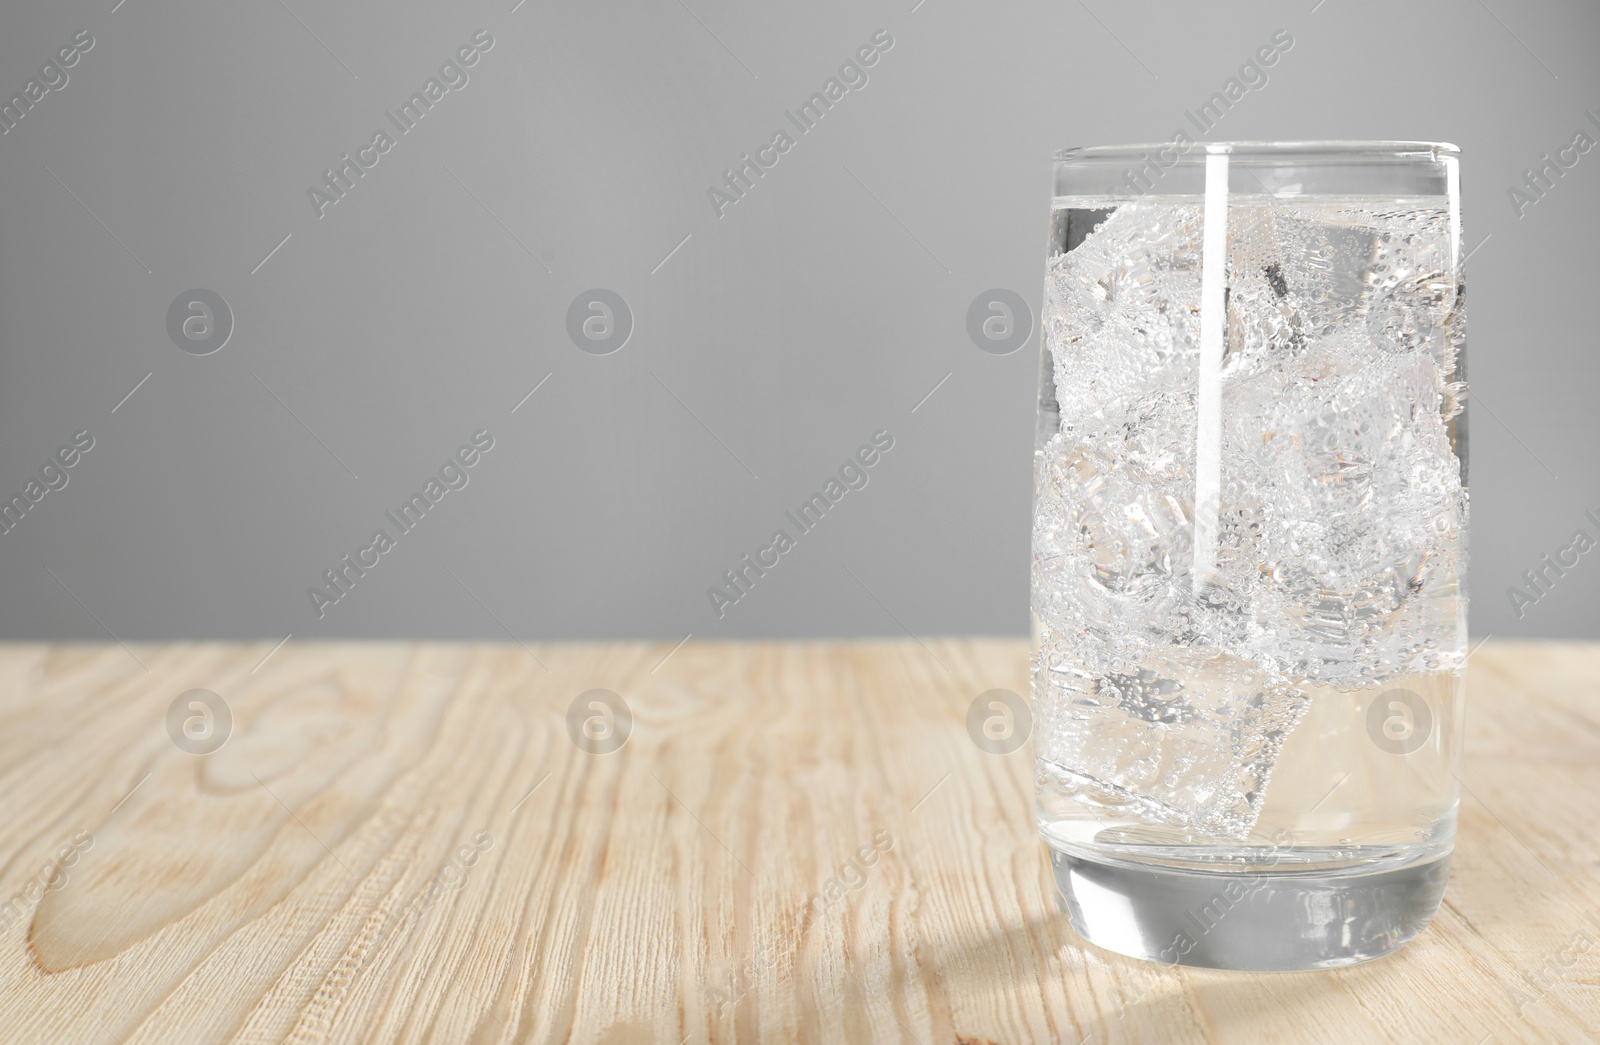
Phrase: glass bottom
x=1278 y=922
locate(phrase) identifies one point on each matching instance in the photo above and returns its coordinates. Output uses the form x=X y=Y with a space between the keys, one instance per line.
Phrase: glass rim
x=1267 y=150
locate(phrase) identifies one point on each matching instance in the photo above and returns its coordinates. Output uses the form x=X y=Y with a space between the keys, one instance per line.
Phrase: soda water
x=1249 y=620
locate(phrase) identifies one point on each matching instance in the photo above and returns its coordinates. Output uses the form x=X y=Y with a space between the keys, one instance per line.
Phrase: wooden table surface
x=404 y=842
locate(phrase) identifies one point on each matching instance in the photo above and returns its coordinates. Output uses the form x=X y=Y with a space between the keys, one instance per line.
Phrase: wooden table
x=404 y=843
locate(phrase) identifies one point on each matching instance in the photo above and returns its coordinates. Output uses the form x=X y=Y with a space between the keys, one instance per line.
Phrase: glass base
x=1278 y=922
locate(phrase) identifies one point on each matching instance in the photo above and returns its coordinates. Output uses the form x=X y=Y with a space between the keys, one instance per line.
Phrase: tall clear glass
x=1249 y=547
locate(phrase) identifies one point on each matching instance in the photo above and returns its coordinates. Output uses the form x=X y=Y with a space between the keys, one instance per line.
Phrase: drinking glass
x=1249 y=550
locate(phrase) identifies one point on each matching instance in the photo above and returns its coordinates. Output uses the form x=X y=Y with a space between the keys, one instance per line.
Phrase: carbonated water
x=1249 y=620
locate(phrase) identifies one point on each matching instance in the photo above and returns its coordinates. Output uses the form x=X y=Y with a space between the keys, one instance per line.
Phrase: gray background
x=773 y=342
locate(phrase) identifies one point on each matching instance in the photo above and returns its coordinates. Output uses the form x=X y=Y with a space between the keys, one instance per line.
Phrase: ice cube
x=1111 y=550
x=1351 y=484
x=1410 y=287
x=1268 y=319
x=1122 y=317
x=1184 y=737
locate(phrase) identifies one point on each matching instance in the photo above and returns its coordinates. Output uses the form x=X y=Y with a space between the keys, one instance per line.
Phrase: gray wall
x=772 y=343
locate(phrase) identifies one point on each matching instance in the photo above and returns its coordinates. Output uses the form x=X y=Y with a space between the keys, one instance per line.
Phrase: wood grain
x=797 y=842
